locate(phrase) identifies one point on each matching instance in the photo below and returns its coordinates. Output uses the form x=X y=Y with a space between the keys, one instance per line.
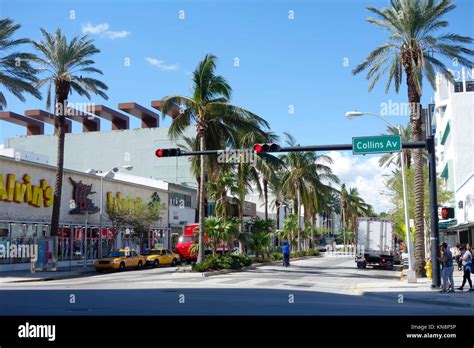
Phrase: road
x=316 y=286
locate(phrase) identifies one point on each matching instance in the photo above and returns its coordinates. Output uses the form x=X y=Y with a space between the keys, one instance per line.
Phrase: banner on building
x=47 y=259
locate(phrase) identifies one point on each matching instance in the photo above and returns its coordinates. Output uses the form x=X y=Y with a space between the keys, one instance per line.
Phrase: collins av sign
x=377 y=144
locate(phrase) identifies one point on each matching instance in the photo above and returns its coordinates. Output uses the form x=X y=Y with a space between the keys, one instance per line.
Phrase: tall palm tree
x=415 y=48
x=215 y=118
x=389 y=158
x=16 y=73
x=304 y=175
x=65 y=63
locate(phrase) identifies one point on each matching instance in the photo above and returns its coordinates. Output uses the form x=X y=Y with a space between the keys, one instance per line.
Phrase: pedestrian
x=447 y=268
x=466 y=258
x=286 y=254
x=457 y=253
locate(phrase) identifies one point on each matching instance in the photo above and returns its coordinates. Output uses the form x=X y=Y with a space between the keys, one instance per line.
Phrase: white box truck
x=376 y=242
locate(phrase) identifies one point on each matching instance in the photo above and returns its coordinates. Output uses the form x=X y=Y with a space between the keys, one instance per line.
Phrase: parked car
x=161 y=256
x=120 y=259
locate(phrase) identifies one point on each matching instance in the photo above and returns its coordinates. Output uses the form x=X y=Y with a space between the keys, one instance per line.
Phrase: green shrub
x=312 y=252
x=218 y=262
x=277 y=256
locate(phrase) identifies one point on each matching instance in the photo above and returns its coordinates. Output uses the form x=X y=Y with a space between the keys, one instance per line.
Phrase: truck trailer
x=377 y=244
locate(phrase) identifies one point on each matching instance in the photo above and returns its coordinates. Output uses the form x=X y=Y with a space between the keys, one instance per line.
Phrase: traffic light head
x=447 y=213
x=168 y=152
x=262 y=148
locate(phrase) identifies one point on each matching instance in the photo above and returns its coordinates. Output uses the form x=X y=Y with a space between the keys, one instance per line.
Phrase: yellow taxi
x=120 y=259
x=160 y=256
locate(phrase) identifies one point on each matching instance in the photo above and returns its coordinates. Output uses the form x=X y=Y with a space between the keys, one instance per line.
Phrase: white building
x=454 y=126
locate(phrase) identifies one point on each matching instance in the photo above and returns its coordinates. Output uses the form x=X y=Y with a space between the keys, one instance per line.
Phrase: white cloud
x=160 y=64
x=366 y=175
x=103 y=30
x=95 y=29
x=117 y=34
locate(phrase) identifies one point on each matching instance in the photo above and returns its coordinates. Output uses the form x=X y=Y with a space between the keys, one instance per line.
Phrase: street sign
x=376 y=144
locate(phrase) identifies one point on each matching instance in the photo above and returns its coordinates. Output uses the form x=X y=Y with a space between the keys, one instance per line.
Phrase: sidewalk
x=421 y=292
x=27 y=276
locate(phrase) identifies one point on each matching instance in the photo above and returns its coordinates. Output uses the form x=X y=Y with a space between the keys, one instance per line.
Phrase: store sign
x=23 y=191
x=82 y=204
x=113 y=200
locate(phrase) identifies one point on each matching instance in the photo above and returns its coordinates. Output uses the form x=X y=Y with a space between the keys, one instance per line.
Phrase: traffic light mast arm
x=333 y=147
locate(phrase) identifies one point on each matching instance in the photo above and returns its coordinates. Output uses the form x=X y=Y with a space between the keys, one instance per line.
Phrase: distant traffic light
x=262 y=148
x=447 y=213
x=168 y=152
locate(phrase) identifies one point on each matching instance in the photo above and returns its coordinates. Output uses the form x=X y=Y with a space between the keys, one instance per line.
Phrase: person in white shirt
x=467 y=268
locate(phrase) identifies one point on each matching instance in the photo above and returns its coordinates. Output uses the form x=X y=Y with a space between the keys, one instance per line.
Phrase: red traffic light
x=447 y=213
x=167 y=152
x=261 y=148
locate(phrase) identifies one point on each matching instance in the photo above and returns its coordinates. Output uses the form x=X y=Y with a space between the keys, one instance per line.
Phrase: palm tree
x=217 y=121
x=389 y=158
x=414 y=48
x=16 y=73
x=303 y=177
x=65 y=63
x=352 y=207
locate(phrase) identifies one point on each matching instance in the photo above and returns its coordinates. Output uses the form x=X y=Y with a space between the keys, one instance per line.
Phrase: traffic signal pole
x=434 y=223
x=333 y=147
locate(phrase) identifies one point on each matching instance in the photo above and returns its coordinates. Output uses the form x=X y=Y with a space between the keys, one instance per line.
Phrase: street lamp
x=411 y=273
x=107 y=174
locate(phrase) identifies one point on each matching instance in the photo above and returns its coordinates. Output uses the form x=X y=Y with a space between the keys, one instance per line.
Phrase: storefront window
x=4 y=239
x=64 y=243
x=77 y=252
x=18 y=236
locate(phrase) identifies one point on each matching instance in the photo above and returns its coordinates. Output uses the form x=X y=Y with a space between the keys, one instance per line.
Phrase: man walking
x=447 y=268
x=286 y=254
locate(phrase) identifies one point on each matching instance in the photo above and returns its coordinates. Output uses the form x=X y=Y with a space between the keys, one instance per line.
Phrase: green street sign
x=377 y=144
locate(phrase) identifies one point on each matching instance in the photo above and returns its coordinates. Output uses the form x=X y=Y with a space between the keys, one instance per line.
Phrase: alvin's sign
x=23 y=191
x=82 y=204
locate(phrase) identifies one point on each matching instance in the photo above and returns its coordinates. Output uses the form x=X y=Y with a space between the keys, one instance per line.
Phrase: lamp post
x=411 y=277
x=107 y=174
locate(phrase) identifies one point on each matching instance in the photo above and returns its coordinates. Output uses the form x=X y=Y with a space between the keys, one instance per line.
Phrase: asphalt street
x=317 y=286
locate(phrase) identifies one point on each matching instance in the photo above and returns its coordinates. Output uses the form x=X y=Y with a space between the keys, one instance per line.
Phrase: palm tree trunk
x=277 y=207
x=265 y=195
x=415 y=121
x=198 y=194
x=62 y=91
x=202 y=194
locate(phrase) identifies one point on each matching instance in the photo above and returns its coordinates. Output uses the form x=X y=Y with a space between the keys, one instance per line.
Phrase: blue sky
x=284 y=62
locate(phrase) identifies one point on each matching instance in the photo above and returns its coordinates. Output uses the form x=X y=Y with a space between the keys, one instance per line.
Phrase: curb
x=60 y=277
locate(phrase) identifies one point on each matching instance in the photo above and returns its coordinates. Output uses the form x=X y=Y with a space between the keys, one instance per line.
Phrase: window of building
x=470 y=86
x=458 y=87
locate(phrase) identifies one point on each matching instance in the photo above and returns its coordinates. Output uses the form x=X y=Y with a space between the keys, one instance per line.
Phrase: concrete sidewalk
x=421 y=292
x=27 y=276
